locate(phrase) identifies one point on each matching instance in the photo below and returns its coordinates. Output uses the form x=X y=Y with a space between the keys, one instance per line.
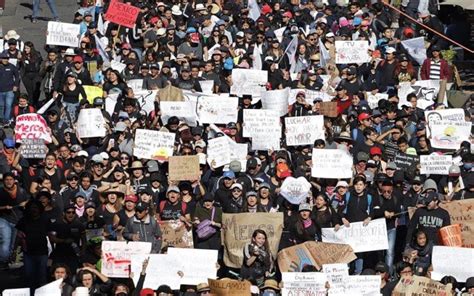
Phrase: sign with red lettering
x=32 y=126
x=122 y=14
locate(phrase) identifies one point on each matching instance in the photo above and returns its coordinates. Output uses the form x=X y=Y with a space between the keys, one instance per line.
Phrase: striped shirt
x=435 y=69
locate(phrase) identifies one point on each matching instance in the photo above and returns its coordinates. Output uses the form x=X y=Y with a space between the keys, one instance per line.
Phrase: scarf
x=307 y=223
x=80 y=211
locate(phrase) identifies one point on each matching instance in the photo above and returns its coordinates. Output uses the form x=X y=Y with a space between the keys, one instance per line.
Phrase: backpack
x=183 y=207
x=348 y=198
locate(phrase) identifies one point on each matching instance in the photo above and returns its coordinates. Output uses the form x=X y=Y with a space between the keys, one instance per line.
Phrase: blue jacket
x=9 y=77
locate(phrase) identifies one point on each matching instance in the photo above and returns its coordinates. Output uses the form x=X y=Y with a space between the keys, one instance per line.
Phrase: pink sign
x=32 y=126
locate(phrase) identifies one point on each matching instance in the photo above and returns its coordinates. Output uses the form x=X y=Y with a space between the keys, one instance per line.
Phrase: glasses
x=124 y=157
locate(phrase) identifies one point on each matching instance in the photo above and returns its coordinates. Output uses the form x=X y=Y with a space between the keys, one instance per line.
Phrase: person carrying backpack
x=174 y=208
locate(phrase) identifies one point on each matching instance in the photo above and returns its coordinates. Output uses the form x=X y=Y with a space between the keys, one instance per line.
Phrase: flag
x=100 y=24
x=291 y=52
x=324 y=54
x=254 y=10
x=416 y=49
x=101 y=46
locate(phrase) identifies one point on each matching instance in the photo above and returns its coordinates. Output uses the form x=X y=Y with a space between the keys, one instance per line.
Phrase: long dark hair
x=34 y=54
x=261 y=231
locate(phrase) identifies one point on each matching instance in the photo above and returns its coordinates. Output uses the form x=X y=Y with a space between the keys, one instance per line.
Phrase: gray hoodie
x=148 y=230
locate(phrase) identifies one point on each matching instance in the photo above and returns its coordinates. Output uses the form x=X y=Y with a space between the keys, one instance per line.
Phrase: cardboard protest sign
x=171 y=94
x=185 y=111
x=372 y=237
x=51 y=289
x=92 y=92
x=373 y=100
x=32 y=126
x=450 y=235
x=435 y=164
x=16 y=292
x=228 y=287
x=276 y=100
x=449 y=135
x=197 y=265
x=90 y=123
x=218 y=152
x=329 y=109
x=453 y=261
x=248 y=82
x=116 y=256
x=421 y=286
x=122 y=14
x=304 y=130
x=294 y=258
x=451 y=115
x=405 y=161
x=175 y=234
x=331 y=163
x=151 y=144
x=460 y=212
x=33 y=148
x=303 y=283
x=352 y=52
x=183 y=168
x=263 y=126
x=146 y=99
x=238 y=230
x=63 y=34
x=295 y=190
x=217 y=109
x=310 y=95
x=162 y=267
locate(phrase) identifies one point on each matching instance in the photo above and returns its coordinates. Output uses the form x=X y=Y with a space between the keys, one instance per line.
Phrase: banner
x=263 y=126
x=337 y=274
x=91 y=123
x=331 y=164
x=238 y=230
x=449 y=135
x=304 y=130
x=31 y=126
x=217 y=109
x=421 y=286
x=276 y=100
x=122 y=14
x=372 y=237
x=116 y=256
x=329 y=109
x=405 y=161
x=176 y=235
x=373 y=100
x=184 y=168
x=453 y=261
x=63 y=34
x=352 y=52
x=33 y=149
x=294 y=258
x=295 y=190
x=228 y=287
x=151 y=144
x=435 y=164
x=218 y=152
x=416 y=49
x=196 y=265
x=460 y=212
x=51 y=289
x=248 y=82
x=185 y=111
x=303 y=283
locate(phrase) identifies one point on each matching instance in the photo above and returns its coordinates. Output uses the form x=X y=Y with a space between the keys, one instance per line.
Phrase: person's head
x=50 y=160
x=402 y=144
x=130 y=202
x=387 y=189
x=86 y=180
x=264 y=190
x=320 y=201
x=228 y=178
x=420 y=238
x=252 y=199
x=173 y=194
x=304 y=210
x=86 y=278
x=359 y=184
x=236 y=190
x=90 y=209
x=470 y=284
x=342 y=187
x=69 y=213
x=80 y=200
x=259 y=237
x=61 y=271
x=404 y=270
x=370 y=134
x=208 y=201
x=141 y=210
x=121 y=290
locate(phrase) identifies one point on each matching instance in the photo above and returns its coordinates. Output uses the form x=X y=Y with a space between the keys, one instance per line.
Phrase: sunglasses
x=124 y=157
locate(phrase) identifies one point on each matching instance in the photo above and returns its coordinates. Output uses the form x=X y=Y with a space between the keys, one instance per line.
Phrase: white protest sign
x=276 y=100
x=218 y=151
x=116 y=65
x=151 y=144
x=63 y=34
x=372 y=237
x=304 y=130
x=185 y=111
x=404 y=90
x=331 y=163
x=352 y=52
x=310 y=95
x=295 y=190
x=31 y=126
x=207 y=86
x=248 y=82
x=217 y=109
x=336 y=275
x=451 y=115
x=51 y=289
x=448 y=134
x=363 y=285
x=135 y=84
x=303 y=283
x=453 y=261
x=416 y=48
x=16 y=292
x=373 y=100
x=435 y=164
x=161 y=268
x=263 y=126
x=110 y=102
x=117 y=257
x=426 y=92
x=91 y=123
x=146 y=99
x=196 y=265
x=238 y=152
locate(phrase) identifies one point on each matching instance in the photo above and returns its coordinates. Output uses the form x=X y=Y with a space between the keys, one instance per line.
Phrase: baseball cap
x=304 y=207
x=375 y=151
x=236 y=185
x=363 y=116
x=173 y=189
x=229 y=174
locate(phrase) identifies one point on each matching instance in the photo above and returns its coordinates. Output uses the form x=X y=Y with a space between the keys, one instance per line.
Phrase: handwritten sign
x=163 y=268
x=361 y=238
x=329 y=109
x=218 y=151
x=207 y=86
x=185 y=111
x=151 y=144
x=453 y=261
x=122 y=14
x=460 y=212
x=373 y=100
x=337 y=274
x=303 y=283
x=217 y=109
x=182 y=168
x=176 y=235
x=352 y=52
x=449 y=135
x=435 y=164
x=63 y=34
x=228 y=287
x=276 y=100
x=263 y=126
x=295 y=190
x=197 y=265
x=32 y=126
x=248 y=82
x=331 y=163
x=135 y=84
x=146 y=99
x=92 y=92
x=304 y=130
x=33 y=149
x=405 y=161
x=90 y=123
x=310 y=95
x=116 y=256
x=421 y=286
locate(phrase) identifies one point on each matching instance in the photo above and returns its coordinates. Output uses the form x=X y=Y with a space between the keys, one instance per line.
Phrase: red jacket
x=425 y=70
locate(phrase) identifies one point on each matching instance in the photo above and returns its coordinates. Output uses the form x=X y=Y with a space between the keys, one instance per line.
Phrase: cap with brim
x=173 y=189
x=304 y=207
x=113 y=191
x=391 y=166
x=236 y=185
x=208 y=197
x=264 y=185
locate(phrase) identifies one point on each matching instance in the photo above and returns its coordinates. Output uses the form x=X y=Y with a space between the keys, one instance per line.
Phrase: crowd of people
x=50 y=206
